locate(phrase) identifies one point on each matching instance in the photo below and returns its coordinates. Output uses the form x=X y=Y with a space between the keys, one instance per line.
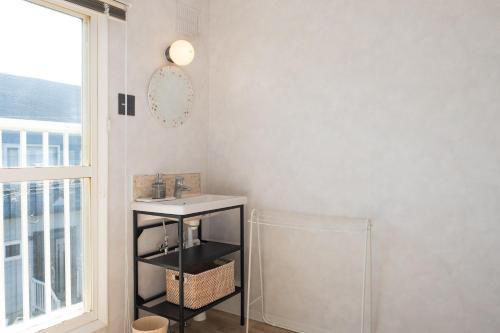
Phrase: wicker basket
x=204 y=287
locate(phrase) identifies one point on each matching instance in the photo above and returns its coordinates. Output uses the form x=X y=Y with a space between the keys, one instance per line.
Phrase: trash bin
x=151 y=324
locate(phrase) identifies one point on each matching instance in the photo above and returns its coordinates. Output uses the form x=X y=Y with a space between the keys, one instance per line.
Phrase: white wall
x=141 y=144
x=384 y=109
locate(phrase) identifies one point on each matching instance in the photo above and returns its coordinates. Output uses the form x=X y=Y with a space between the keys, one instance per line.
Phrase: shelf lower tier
x=171 y=311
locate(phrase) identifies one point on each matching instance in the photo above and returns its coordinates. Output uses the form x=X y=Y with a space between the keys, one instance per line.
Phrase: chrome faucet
x=180 y=187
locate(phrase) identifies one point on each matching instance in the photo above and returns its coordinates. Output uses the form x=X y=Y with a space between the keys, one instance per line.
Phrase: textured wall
x=148 y=147
x=385 y=109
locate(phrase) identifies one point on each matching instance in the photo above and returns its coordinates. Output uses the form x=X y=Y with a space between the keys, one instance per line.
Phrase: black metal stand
x=185 y=259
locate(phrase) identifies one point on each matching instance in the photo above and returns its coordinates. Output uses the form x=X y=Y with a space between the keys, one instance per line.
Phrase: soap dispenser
x=158 y=189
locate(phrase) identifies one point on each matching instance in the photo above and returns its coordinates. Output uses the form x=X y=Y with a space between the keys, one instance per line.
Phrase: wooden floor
x=222 y=322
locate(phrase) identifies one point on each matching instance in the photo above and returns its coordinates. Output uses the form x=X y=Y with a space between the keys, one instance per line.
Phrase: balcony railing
x=37 y=293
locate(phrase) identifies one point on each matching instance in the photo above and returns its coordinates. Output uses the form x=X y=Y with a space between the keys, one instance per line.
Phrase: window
x=12 y=250
x=52 y=166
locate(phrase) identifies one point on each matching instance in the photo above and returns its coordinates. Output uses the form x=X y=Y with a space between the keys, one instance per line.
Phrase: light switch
x=130 y=104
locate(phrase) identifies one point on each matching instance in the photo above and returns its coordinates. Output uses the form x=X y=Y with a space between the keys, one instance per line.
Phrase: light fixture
x=181 y=52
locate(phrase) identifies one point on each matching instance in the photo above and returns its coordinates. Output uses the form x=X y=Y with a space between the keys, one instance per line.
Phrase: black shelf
x=171 y=310
x=193 y=258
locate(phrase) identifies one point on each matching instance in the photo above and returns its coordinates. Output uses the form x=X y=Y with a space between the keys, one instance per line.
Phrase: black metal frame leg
x=181 y=275
x=242 y=264
x=136 y=268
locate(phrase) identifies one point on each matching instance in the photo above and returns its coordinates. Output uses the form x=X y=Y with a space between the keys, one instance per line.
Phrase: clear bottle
x=158 y=188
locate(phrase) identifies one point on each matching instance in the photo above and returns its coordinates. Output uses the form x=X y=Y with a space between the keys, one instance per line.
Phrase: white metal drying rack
x=367 y=269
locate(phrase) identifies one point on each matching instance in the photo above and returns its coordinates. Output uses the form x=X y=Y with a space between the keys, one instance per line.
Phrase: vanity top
x=190 y=205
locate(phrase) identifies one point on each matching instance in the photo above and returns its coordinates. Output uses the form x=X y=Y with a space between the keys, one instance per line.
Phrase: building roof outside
x=37 y=99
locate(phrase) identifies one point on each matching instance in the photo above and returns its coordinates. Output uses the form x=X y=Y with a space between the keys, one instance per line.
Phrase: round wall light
x=181 y=52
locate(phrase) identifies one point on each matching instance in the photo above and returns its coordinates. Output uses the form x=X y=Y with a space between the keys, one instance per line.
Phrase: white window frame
x=94 y=134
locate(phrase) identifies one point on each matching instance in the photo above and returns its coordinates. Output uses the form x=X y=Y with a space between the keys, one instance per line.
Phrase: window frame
x=95 y=167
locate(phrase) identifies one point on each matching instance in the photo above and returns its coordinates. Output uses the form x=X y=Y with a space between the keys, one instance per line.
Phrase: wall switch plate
x=130 y=104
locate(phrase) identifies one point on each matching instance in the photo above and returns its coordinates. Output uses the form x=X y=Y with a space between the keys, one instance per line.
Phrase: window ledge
x=84 y=323
x=69 y=320
x=90 y=327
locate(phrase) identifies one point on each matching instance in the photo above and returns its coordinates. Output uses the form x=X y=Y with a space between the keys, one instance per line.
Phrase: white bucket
x=151 y=324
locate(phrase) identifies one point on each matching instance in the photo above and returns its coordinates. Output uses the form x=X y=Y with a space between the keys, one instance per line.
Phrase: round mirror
x=170 y=96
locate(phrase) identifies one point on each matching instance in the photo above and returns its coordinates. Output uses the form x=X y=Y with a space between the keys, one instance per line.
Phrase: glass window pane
x=34 y=149
x=41 y=125
x=13 y=270
x=75 y=150
x=56 y=201
x=36 y=248
x=10 y=149
x=42 y=92
x=56 y=149
x=12 y=212
x=76 y=234
x=46 y=234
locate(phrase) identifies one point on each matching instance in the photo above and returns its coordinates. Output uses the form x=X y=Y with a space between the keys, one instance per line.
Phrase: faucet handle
x=180 y=187
x=180 y=183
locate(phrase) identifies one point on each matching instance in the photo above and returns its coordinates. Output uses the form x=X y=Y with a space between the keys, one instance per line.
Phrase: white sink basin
x=190 y=205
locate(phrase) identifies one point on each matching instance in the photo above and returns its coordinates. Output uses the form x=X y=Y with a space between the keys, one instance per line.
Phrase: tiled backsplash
x=143 y=183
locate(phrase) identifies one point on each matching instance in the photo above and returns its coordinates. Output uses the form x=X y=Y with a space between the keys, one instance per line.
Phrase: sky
x=40 y=43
